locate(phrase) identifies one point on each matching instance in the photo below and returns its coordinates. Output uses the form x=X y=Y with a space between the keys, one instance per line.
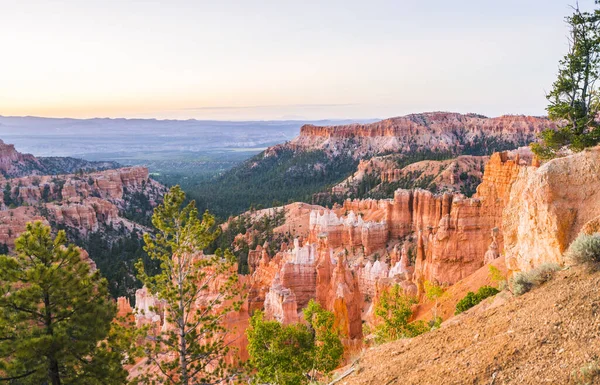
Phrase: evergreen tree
x=328 y=348
x=294 y=354
x=279 y=354
x=55 y=315
x=198 y=292
x=393 y=311
x=7 y=195
x=434 y=292
x=574 y=99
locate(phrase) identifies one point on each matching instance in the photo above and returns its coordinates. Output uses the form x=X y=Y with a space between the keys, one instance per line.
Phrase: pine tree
x=294 y=354
x=55 y=315
x=434 y=292
x=393 y=312
x=574 y=99
x=197 y=290
x=279 y=354
x=7 y=195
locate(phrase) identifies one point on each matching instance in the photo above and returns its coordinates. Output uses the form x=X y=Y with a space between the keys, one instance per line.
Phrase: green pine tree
x=279 y=354
x=198 y=292
x=393 y=312
x=574 y=98
x=7 y=195
x=294 y=354
x=55 y=315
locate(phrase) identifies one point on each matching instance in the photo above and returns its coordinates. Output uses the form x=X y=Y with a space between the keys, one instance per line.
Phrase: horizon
x=299 y=120
x=241 y=61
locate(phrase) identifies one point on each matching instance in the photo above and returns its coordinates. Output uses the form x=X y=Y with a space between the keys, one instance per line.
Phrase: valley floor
x=545 y=336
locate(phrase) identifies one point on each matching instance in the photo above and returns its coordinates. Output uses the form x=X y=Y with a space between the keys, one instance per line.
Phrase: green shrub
x=472 y=299
x=394 y=311
x=585 y=249
x=466 y=303
x=587 y=374
x=524 y=282
x=496 y=276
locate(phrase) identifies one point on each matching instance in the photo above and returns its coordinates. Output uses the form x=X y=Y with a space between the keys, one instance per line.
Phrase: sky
x=279 y=59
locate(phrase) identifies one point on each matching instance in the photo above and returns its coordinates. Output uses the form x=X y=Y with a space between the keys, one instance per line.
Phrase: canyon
x=345 y=256
x=103 y=212
x=82 y=203
x=521 y=214
x=321 y=157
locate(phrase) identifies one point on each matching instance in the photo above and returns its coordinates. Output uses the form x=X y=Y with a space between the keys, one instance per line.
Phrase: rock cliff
x=434 y=131
x=548 y=206
x=82 y=202
x=15 y=164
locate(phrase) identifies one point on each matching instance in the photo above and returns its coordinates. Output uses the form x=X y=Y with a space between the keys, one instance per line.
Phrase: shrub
x=585 y=249
x=524 y=282
x=472 y=299
x=466 y=303
x=394 y=312
x=294 y=354
x=587 y=374
x=497 y=276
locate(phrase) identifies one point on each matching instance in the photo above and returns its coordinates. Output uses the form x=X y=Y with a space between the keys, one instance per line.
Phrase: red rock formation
x=124 y=310
x=280 y=303
x=432 y=131
x=14 y=221
x=13 y=162
x=455 y=230
x=338 y=291
x=79 y=202
x=548 y=207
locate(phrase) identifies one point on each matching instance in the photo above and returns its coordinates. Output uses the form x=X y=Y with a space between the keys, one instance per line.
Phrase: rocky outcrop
x=86 y=216
x=82 y=202
x=110 y=185
x=452 y=233
x=280 y=303
x=548 y=207
x=14 y=163
x=434 y=131
x=13 y=222
x=338 y=291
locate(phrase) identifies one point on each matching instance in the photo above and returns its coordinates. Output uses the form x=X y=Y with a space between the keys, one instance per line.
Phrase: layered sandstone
x=81 y=202
x=548 y=207
x=14 y=163
x=434 y=131
x=14 y=221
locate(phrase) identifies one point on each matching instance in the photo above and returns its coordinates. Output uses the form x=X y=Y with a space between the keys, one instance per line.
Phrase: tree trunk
x=52 y=362
x=53 y=371
x=184 y=380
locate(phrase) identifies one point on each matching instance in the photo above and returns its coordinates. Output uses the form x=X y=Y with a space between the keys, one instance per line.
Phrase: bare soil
x=545 y=336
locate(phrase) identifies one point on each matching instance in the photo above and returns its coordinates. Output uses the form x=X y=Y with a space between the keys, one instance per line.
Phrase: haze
x=281 y=59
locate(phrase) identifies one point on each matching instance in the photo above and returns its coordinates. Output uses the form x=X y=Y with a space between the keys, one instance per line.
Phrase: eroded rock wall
x=548 y=206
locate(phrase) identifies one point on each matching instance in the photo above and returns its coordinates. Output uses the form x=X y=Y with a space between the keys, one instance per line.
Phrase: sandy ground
x=541 y=337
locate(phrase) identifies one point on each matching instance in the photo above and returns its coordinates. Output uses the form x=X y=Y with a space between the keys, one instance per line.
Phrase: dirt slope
x=447 y=303
x=538 y=338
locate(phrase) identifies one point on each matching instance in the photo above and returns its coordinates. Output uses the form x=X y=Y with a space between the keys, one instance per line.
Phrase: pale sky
x=253 y=59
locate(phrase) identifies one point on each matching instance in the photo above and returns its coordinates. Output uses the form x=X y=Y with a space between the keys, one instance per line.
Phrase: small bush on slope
x=587 y=374
x=497 y=276
x=394 y=312
x=472 y=299
x=585 y=249
x=524 y=282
